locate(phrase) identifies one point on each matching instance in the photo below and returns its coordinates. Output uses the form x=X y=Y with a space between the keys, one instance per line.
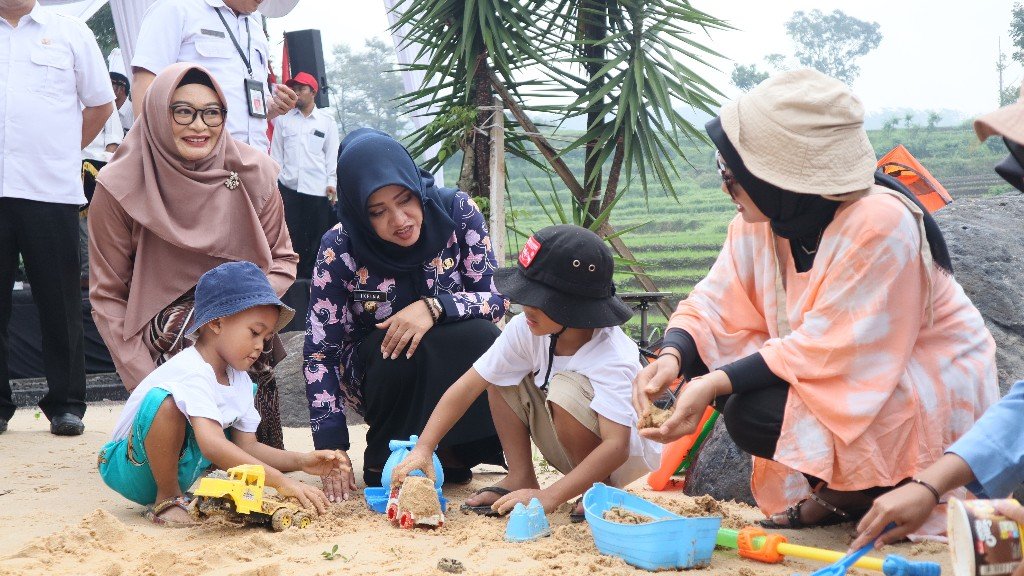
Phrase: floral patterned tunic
x=459 y=276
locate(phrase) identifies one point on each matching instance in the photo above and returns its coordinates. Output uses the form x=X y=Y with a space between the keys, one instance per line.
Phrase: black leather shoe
x=66 y=425
x=3 y=425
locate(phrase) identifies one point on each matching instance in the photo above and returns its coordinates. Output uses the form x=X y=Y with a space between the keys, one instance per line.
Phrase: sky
x=934 y=55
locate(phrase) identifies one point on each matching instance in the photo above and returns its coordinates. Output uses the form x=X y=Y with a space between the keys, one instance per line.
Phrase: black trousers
x=399 y=395
x=45 y=234
x=754 y=419
x=308 y=217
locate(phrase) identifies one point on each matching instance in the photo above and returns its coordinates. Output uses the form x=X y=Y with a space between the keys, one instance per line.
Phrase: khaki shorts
x=569 y=390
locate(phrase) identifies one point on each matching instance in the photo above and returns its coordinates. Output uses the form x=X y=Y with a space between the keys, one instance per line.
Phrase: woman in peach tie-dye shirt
x=842 y=352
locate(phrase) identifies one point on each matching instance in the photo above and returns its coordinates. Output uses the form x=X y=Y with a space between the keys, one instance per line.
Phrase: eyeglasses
x=724 y=172
x=184 y=115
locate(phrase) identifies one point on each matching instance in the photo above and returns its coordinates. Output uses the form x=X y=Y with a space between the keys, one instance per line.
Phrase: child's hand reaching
x=418 y=458
x=322 y=462
x=309 y=497
x=506 y=503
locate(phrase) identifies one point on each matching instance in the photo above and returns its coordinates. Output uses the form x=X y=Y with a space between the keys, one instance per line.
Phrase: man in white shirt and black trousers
x=306 y=146
x=55 y=96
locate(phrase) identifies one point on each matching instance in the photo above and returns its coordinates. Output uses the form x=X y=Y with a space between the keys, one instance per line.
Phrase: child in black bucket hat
x=560 y=375
x=198 y=407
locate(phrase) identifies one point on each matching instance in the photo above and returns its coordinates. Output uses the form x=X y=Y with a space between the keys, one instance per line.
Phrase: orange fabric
x=881 y=383
x=902 y=165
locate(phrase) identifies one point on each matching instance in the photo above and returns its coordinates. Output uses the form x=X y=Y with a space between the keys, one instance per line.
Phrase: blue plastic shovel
x=844 y=563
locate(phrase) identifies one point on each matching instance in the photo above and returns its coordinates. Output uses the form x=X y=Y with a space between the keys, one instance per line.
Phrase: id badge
x=256 y=98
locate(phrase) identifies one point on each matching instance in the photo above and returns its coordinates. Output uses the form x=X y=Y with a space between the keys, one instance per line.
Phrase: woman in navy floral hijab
x=401 y=304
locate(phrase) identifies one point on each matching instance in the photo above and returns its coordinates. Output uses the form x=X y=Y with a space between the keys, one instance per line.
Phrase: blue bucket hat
x=231 y=288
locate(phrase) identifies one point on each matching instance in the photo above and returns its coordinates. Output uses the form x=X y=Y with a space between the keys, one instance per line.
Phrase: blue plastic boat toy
x=669 y=542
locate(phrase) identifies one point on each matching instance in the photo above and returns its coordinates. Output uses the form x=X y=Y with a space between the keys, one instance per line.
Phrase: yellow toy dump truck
x=239 y=496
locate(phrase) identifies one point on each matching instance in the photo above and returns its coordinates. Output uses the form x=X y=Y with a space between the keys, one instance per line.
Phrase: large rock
x=988 y=261
x=291 y=385
x=721 y=470
x=983 y=235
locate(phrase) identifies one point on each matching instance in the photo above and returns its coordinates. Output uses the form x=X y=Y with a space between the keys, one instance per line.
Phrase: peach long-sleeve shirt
x=882 y=379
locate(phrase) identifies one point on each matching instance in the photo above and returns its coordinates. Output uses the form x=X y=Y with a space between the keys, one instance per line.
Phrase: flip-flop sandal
x=574 y=516
x=154 y=511
x=485 y=509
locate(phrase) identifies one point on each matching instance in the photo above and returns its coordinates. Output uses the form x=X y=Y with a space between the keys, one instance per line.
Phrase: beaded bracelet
x=434 y=314
x=938 y=498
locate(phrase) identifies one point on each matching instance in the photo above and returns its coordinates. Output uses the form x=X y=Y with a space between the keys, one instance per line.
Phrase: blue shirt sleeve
x=994 y=447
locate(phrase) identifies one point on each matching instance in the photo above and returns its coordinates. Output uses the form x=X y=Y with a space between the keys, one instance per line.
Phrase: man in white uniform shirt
x=54 y=99
x=122 y=88
x=225 y=37
x=306 y=146
x=94 y=157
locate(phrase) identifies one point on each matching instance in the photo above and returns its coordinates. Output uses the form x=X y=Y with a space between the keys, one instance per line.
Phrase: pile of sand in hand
x=654 y=417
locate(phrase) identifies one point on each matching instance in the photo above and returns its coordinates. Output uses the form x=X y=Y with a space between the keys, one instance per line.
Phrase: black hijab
x=1011 y=169
x=370 y=160
x=800 y=218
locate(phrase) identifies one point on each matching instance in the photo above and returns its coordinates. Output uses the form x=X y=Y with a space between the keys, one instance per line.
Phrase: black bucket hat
x=566 y=271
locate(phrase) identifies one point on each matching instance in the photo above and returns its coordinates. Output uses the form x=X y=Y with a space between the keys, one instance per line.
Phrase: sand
x=654 y=417
x=57 y=517
x=418 y=496
x=624 y=516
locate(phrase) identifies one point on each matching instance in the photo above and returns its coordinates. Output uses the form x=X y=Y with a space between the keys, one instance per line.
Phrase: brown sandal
x=794 y=522
x=154 y=511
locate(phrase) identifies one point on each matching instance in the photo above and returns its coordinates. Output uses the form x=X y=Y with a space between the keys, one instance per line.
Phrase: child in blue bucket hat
x=198 y=407
x=560 y=375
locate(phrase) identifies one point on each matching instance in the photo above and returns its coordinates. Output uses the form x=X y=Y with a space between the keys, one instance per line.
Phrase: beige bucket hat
x=804 y=132
x=1007 y=121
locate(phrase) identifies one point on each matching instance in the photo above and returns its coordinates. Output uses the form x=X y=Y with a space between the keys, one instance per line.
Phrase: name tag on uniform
x=369 y=296
x=256 y=98
x=318 y=134
x=214 y=33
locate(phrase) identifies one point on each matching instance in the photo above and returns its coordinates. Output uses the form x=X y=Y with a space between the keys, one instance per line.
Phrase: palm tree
x=625 y=65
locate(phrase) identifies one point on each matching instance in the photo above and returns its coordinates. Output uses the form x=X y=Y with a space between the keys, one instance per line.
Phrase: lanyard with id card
x=255 y=95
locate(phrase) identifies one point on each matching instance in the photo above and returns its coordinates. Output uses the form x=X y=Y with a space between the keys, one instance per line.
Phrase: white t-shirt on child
x=196 y=392
x=610 y=360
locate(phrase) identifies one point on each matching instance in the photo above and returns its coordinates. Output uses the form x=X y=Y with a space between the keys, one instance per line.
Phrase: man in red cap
x=306 y=146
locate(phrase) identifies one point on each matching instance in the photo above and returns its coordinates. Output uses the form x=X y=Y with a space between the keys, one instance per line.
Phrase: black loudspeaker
x=306 y=54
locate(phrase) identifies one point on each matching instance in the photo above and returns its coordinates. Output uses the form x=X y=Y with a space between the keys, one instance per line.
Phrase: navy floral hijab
x=370 y=160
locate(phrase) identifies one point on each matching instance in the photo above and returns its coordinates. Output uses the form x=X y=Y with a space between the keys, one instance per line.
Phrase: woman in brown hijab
x=180 y=198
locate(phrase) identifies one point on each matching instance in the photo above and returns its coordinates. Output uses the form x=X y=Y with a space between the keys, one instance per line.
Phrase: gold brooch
x=370 y=306
x=233 y=181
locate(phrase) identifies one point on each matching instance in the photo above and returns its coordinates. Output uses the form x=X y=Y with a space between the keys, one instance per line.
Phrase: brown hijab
x=185 y=219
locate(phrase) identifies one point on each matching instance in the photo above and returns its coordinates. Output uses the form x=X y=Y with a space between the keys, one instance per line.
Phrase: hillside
x=682 y=236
